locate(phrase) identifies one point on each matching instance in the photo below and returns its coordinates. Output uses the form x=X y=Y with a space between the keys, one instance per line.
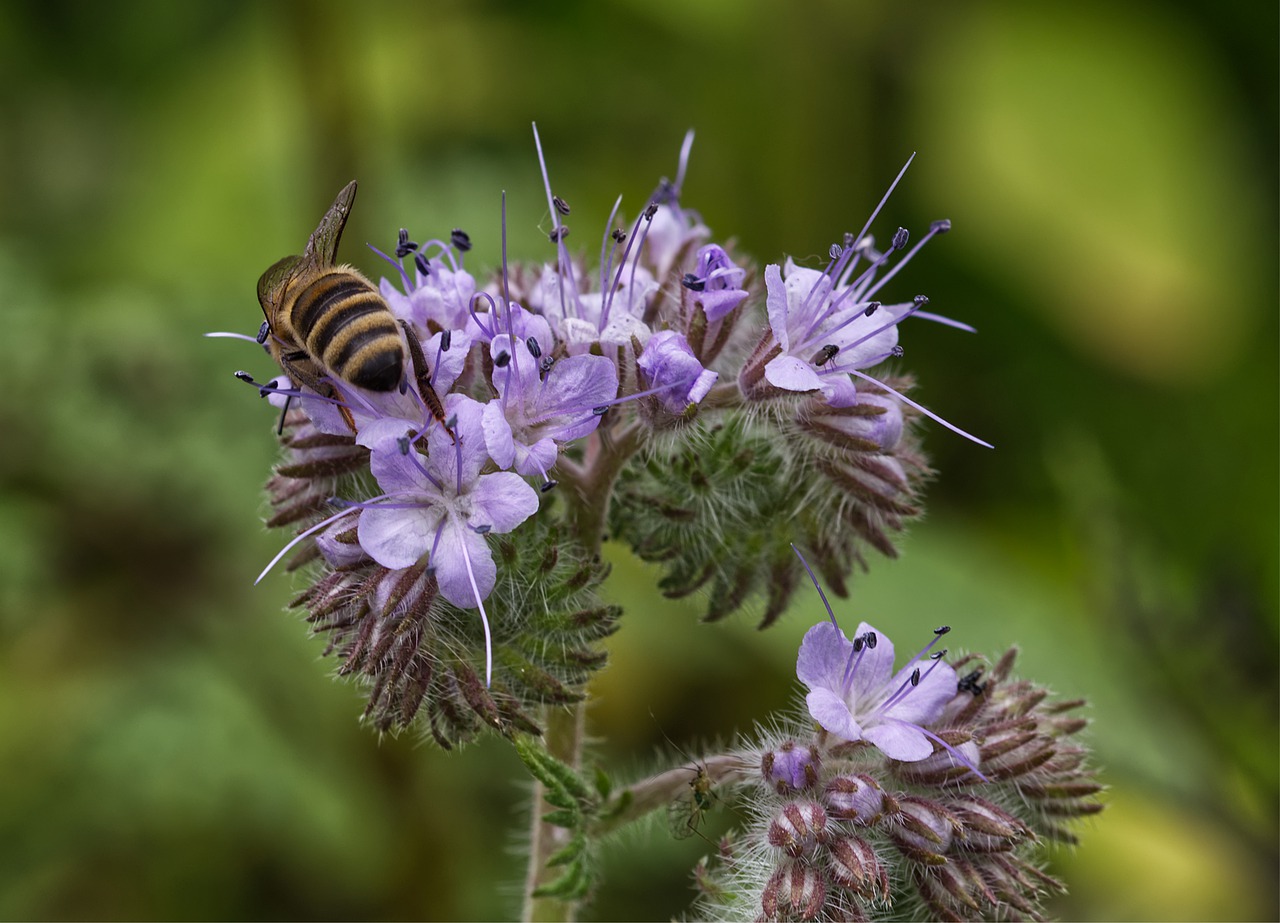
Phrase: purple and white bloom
x=824 y=333
x=440 y=299
x=540 y=403
x=716 y=282
x=674 y=372
x=855 y=695
x=440 y=505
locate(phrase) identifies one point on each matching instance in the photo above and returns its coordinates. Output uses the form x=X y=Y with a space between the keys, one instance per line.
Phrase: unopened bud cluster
x=844 y=832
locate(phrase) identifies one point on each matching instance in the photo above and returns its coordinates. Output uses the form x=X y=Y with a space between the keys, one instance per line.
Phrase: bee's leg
x=423 y=374
x=301 y=368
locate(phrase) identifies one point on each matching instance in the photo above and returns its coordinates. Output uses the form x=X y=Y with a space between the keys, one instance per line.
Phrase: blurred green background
x=170 y=743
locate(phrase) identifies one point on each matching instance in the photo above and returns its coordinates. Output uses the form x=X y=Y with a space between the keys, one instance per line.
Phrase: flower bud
x=798 y=827
x=923 y=829
x=790 y=767
x=873 y=424
x=858 y=798
x=854 y=865
x=795 y=889
x=986 y=827
x=956 y=761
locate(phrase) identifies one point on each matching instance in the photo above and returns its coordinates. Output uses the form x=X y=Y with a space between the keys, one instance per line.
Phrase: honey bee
x=328 y=319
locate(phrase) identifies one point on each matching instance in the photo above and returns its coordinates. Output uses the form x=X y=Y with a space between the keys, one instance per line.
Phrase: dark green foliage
x=577 y=803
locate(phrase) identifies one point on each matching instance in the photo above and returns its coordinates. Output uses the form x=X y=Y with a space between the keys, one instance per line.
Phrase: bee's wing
x=273 y=282
x=322 y=248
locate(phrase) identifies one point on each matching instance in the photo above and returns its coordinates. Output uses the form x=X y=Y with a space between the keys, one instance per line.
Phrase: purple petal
x=460 y=545
x=792 y=374
x=535 y=461
x=776 y=303
x=900 y=741
x=872 y=668
x=824 y=652
x=470 y=450
x=498 y=438
x=397 y=538
x=502 y=501
x=925 y=702
x=401 y=473
x=830 y=711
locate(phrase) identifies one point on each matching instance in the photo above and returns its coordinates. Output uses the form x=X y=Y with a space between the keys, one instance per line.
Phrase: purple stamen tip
x=940 y=227
x=424 y=265
x=460 y=239
x=560 y=204
x=920 y=300
x=900 y=238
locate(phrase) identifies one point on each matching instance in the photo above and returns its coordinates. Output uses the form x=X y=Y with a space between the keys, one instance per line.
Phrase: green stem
x=658 y=791
x=587 y=488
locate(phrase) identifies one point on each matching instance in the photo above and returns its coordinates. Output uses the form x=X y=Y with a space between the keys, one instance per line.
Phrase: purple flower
x=542 y=403
x=854 y=693
x=674 y=371
x=442 y=296
x=442 y=506
x=824 y=333
x=715 y=281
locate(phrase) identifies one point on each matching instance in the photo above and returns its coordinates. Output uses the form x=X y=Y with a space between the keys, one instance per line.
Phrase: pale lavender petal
x=792 y=374
x=446 y=366
x=398 y=472
x=715 y=305
x=502 y=501
x=458 y=545
x=397 y=538
x=830 y=711
x=824 y=652
x=470 y=448
x=498 y=438
x=900 y=741
x=535 y=460
x=562 y=405
x=384 y=435
x=925 y=702
x=776 y=303
x=873 y=666
x=839 y=390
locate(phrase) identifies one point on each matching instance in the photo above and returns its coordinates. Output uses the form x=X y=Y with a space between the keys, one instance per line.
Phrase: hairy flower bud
x=798 y=827
x=923 y=829
x=858 y=798
x=790 y=767
x=794 y=890
x=854 y=865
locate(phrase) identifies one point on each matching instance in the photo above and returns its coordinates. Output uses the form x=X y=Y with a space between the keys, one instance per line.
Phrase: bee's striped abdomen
x=345 y=323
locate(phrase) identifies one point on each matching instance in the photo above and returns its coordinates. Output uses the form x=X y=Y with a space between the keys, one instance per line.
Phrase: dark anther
x=920 y=300
x=404 y=385
x=271 y=385
x=534 y=349
x=858 y=644
x=871 y=639
x=825 y=355
x=941 y=227
x=245 y=376
x=561 y=205
x=599 y=411
x=502 y=359
x=405 y=245
x=403 y=443
x=871 y=309
x=460 y=239
x=424 y=265
x=544 y=366
x=900 y=237
x=971 y=685
x=693 y=283
x=446 y=340
x=483 y=529
x=848 y=239
x=650 y=210
x=941 y=630
x=915 y=677
x=452 y=422
x=618 y=235
x=836 y=251
x=547 y=485
x=897 y=352
x=263 y=332
x=559 y=234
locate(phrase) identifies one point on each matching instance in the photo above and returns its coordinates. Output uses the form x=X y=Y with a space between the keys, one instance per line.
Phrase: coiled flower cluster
x=914 y=798
x=661 y=394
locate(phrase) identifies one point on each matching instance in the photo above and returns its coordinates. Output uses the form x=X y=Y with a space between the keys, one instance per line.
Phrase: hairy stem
x=587 y=488
x=664 y=788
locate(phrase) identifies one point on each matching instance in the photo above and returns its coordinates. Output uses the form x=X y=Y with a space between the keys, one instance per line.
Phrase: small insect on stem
x=685 y=813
